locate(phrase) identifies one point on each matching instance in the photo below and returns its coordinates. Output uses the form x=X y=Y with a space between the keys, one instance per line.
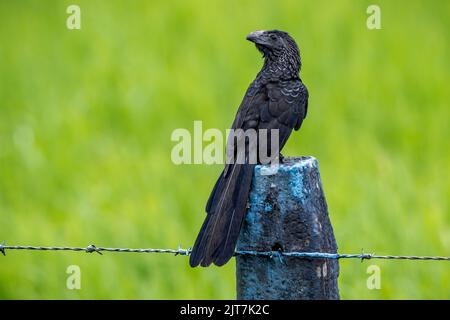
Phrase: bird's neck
x=280 y=68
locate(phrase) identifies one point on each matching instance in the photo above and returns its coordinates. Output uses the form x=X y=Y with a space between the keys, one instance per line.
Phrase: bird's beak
x=256 y=37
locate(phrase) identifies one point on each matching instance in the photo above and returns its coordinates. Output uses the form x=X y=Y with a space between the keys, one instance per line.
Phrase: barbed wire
x=186 y=252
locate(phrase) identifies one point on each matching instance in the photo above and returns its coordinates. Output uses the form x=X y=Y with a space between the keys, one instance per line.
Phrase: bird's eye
x=273 y=37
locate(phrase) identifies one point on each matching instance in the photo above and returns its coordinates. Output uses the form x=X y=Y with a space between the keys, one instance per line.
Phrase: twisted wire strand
x=185 y=252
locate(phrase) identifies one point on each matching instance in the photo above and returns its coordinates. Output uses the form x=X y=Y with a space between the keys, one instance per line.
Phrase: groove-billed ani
x=276 y=99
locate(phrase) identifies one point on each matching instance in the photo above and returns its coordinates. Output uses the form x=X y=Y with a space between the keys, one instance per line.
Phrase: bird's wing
x=255 y=96
x=278 y=105
x=226 y=206
x=248 y=115
x=286 y=108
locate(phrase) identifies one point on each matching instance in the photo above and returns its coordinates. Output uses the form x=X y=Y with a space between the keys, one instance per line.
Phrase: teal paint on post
x=288 y=212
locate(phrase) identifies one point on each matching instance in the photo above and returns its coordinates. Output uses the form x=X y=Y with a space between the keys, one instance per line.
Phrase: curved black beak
x=256 y=37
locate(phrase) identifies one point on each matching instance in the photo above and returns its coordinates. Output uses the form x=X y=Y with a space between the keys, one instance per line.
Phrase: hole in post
x=277 y=247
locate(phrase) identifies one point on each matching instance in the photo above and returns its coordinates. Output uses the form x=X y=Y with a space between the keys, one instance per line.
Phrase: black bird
x=276 y=99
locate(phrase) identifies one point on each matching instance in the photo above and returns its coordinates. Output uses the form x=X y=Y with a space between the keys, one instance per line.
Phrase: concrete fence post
x=288 y=212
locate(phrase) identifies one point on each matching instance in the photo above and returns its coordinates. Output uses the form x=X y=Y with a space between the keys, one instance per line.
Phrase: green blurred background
x=86 y=118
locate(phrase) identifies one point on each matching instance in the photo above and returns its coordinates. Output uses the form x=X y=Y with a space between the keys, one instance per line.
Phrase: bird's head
x=276 y=45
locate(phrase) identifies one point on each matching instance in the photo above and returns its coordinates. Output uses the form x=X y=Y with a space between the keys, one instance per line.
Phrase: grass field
x=86 y=117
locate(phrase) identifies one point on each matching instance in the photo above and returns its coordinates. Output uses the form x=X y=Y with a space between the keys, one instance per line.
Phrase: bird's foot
x=281 y=158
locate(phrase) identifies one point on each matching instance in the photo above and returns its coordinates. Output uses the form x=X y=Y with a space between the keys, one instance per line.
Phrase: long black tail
x=226 y=210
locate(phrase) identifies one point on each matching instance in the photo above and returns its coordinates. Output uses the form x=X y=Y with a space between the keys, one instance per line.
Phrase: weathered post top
x=288 y=212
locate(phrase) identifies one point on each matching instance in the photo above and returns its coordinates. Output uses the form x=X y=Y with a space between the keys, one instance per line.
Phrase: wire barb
x=92 y=248
x=2 y=247
x=272 y=254
x=365 y=256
